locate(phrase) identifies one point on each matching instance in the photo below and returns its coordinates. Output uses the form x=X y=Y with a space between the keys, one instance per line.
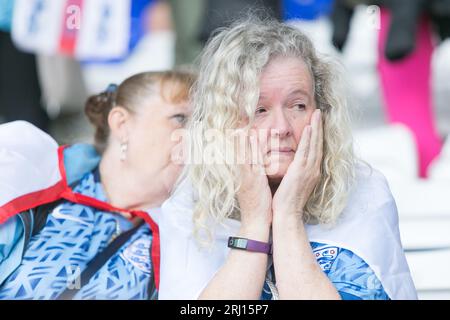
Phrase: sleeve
x=12 y=240
x=351 y=275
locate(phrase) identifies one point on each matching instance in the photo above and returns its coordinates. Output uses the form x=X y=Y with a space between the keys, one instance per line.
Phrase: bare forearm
x=297 y=272
x=243 y=274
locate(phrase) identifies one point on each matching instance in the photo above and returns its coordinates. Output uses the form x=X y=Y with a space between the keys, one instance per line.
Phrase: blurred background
x=395 y=55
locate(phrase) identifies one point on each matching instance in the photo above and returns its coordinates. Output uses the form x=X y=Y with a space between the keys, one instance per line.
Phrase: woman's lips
x=282 y=151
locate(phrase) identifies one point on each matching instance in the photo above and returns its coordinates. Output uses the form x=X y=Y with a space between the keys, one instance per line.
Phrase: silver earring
x=123 y=151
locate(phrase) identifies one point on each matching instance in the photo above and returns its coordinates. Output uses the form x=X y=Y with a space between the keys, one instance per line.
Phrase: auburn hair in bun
x=172 y=86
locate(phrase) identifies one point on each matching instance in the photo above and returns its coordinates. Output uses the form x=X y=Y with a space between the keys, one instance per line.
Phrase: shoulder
x=24 y=138
x=22 y=143
x=29 y=162
x=370 y=210
x=370 y=194
x=370 y=180
x=369 y=202
x=24 y=146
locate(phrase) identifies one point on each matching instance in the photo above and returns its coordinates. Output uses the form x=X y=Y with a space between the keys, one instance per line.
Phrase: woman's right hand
x=254 y=195
x=243 y=273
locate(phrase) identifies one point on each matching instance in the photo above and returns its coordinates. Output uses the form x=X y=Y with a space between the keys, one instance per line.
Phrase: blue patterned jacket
x=15 y=234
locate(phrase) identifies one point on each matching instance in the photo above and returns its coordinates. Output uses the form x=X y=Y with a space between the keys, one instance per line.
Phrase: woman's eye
x=260 y=110
x=180 y=118
x=299 y=106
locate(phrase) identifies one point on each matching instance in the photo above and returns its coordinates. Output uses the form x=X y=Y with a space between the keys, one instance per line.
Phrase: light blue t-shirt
x=72 y=237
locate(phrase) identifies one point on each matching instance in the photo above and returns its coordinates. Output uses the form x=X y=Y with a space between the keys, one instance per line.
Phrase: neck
x=126 y=188
x=274 y=186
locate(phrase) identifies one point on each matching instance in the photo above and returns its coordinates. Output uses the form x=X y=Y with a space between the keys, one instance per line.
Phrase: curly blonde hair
x=228 y=88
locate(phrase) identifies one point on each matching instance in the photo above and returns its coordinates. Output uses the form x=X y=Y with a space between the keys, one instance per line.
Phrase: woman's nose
x=280 y=125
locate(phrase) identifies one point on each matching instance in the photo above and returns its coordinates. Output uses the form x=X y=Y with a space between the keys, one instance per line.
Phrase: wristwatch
x=249 y=245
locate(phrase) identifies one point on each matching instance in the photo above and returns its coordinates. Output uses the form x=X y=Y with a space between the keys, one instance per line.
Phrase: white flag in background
x=84 y=29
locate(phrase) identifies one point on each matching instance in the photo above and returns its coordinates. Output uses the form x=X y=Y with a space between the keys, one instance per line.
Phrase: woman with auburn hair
x=304 y=218
x=73 y=217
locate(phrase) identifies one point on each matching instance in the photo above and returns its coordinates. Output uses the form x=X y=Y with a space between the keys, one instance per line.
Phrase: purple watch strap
x=249 y=245
x=258 y=246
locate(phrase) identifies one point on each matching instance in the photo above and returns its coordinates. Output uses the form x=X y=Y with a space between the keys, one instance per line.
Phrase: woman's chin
x=276 y=173
x=277 y=169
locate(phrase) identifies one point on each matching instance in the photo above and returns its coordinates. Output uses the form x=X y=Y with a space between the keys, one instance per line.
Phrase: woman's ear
x=119 y=122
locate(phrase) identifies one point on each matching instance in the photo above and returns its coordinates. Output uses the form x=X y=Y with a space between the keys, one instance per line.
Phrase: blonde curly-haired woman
x=307 y=219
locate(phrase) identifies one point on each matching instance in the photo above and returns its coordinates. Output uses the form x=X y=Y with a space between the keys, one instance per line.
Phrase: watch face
x=242 y=243
x=237 y=243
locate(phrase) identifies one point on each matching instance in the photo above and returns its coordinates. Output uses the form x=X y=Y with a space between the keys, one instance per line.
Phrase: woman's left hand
x=303 y=173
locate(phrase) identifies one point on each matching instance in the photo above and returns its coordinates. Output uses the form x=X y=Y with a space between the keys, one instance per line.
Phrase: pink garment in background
x=406 y=89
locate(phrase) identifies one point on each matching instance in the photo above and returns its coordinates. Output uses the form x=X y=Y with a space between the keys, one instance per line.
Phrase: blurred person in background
x=195 y=20
x=86 y=207
x=187 y=20
x=20 y=90
x=222 y=13
x=405 y=46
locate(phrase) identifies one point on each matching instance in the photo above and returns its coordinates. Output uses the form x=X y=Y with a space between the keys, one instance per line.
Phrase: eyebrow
x=298 y=91
x=292 y=93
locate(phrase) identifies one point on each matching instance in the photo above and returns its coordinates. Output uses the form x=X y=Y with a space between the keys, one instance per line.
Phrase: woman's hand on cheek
x=254 y=196
x=303 y=173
